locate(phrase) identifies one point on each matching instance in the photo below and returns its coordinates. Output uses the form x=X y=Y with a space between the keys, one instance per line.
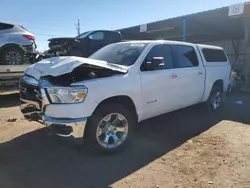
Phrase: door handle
x=173 y=76
x=199 y=73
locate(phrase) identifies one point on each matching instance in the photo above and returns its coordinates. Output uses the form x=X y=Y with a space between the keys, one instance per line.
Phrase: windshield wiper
x=114 y=65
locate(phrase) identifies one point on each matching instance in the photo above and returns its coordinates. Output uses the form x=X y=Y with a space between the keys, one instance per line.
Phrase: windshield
x=82 y=35
x=120 y=53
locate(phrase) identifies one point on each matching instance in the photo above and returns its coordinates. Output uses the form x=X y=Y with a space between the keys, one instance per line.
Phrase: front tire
x=109 y=129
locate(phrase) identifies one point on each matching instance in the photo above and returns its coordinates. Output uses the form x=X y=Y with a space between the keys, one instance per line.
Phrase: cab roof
x=171 y=42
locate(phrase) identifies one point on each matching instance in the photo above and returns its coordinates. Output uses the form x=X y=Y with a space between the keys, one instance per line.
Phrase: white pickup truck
x=120 y=85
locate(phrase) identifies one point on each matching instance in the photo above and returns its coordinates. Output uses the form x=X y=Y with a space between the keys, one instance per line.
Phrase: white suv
x=15 y=44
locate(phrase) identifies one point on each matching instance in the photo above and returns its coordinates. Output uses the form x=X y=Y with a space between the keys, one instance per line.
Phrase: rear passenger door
x=190 y=75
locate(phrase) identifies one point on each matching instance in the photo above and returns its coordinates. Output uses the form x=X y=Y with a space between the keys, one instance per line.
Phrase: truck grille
x=30 y=92
x=30 y=100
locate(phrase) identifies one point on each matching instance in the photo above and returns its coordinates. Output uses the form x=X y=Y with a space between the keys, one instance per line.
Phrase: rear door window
x=184 y=56
x=214 y=55
x=112 y=37
x=4 y=26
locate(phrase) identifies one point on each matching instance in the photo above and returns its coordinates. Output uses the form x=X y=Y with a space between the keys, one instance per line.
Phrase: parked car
x=16 y=43
x=83 y=45
x=17 y=51
x=122 y=84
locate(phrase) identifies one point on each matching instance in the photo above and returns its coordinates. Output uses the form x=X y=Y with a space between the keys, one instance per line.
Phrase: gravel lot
x=187 y=148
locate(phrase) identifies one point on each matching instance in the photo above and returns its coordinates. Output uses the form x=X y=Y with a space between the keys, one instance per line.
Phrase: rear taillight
x=30 y=37
x=233 y=74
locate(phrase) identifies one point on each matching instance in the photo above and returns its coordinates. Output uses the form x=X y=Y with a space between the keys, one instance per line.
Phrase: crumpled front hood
x=57 y=66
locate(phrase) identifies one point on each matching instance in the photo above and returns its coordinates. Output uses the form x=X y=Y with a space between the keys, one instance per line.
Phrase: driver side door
x=159 y=86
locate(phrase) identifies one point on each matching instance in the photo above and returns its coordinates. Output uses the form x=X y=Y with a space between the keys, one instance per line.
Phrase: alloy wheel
x=13 y=58
x=216 y=100
x=112 y=130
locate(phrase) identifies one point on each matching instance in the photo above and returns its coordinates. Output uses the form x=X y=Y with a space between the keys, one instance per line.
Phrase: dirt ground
x=186 y=148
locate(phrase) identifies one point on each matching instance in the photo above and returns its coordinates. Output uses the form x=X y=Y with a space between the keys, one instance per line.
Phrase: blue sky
x=56 y=18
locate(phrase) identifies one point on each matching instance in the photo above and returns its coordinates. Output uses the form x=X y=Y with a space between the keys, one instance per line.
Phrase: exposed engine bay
x=81 y=73
x=63 y=71
x=61 y=46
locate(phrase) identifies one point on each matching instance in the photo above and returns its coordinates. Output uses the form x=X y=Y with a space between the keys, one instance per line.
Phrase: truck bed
x=9 y=76
x=13 y=68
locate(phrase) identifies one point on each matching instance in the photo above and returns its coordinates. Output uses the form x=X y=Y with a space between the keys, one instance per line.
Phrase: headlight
x=67 y=95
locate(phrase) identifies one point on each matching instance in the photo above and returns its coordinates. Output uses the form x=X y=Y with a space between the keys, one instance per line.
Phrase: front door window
x=97 y=36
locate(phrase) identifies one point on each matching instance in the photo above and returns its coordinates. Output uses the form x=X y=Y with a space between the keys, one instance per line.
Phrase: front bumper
x=77 y=125
x=33 y=103
x=59 y=50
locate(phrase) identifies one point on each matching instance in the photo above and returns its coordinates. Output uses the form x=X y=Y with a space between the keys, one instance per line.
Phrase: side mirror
x=77 y=39
x=90 y=37
x=155 y=63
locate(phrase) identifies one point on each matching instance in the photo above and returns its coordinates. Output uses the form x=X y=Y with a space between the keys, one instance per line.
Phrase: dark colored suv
x=84 y=44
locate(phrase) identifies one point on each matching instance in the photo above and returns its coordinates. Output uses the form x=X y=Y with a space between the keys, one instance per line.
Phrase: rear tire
x=215 y=99
x=12 y=56
x=109 y=129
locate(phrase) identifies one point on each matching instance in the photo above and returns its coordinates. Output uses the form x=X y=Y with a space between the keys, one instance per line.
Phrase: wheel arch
x=10 y=45
x=218 y=83
x=209 y=87
x=123 y=100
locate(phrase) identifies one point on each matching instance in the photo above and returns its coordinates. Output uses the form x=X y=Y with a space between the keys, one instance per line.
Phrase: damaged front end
x=34 y=98
x=61 y=46
x=49 y=83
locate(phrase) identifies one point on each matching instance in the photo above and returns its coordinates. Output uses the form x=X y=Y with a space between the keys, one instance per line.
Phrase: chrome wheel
x=112 y=130
x=13 y=58
x=216 y=100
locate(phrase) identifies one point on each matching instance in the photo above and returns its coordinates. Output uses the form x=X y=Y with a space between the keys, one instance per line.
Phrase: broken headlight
x=67 y=95
x=30 y=80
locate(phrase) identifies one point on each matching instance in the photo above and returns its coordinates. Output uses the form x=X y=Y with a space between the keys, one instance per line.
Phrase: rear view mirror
x=155 y=63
